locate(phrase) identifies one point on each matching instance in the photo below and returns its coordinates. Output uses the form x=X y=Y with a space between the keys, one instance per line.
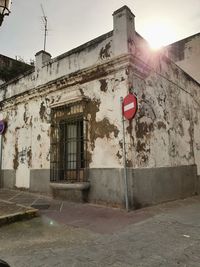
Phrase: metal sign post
x=124 y=158
x=2 y=130
x=128 y=108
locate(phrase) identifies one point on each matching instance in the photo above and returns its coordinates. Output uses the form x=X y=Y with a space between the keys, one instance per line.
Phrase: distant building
x=186 y=54
x=64 y=127
x=11 y=68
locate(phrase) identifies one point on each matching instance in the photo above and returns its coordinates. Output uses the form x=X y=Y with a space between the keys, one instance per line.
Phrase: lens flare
x=159 y=33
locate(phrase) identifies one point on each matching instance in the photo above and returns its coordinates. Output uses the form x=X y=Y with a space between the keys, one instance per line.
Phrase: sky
x=74 y=22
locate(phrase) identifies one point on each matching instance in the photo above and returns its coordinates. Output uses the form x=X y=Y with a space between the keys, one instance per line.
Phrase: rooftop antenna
x=44 y=19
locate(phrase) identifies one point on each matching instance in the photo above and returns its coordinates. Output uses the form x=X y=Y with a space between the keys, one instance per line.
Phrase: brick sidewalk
x=11 y=210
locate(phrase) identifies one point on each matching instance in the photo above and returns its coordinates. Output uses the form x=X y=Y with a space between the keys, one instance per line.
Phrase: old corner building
x=64 y=129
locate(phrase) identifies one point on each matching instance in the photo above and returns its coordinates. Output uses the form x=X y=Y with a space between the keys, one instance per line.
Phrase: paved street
x=69 y=234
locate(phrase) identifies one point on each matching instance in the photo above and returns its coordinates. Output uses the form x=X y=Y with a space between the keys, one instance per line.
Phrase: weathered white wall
x=88 y=55
x=27 y=140
x=164 y=131
x=107 y=123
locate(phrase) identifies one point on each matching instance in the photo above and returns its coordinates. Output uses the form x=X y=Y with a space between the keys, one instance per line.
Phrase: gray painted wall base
x=106 y=187
x=198 y=184
x=40 y=180
x=152 y=186
x=7 y=178
x=146 y=186
x=70 y=195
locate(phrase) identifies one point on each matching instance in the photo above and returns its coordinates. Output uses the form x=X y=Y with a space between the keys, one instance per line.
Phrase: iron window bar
x=68 y=154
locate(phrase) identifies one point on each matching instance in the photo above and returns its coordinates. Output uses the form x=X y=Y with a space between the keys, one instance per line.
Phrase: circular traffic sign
x=129 y=106
x=2 y=126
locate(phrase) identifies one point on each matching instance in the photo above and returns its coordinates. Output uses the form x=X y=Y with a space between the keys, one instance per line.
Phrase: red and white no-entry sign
x=129 y=106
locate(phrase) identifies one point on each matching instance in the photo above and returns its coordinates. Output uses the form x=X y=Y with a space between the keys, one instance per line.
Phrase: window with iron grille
x=68 y=143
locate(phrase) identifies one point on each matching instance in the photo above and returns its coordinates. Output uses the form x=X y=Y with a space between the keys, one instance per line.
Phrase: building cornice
x=80 y=77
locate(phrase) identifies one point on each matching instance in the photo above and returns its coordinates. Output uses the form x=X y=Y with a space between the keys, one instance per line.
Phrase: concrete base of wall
x=7 y=178
x=146 y=186
x=152 y=186
x=40 y=180
x=198 y=184
x=106 y=187
x=75 y=192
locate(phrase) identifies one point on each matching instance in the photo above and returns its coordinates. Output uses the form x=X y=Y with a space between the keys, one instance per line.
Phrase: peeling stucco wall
x=29 y=120
x=164 y=131
x=73 y=61
x=26 y=141
x=105 y=120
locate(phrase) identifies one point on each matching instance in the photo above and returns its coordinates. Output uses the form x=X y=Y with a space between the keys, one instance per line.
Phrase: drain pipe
x=124 y=159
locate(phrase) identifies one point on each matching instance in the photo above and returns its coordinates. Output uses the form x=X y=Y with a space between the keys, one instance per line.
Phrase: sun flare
x=159 y=33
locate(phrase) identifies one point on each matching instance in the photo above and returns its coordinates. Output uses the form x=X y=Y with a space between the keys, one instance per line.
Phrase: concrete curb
x=13 y=216
x=19 y=216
